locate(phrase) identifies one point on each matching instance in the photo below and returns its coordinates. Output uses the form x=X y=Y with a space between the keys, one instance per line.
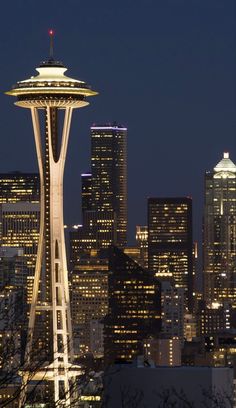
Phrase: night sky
x=164 y=68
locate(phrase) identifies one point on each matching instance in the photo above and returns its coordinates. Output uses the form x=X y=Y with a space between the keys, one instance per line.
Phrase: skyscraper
x=52 y=93
x=20 y=216
x=89 y=298
x=170 y=242
x=81 y=242
x=134 y=311
x=104 y=192
x=219 y=254
x=109 y=176
x=20 y=229
x=13 y=305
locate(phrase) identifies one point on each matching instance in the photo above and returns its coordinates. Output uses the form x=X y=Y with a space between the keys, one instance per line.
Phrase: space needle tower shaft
x=49 y=95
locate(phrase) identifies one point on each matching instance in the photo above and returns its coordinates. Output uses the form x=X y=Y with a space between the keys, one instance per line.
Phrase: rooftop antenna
x=51 y=35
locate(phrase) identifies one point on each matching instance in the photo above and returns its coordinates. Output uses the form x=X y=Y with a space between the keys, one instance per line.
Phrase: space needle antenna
x=51 y=49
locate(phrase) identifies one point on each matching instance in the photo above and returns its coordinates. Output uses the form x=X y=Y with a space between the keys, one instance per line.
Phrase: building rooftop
x=225 y=165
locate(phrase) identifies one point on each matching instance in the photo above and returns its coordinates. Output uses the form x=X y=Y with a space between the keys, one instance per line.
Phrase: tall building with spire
x=219 y=236
x=55 y=96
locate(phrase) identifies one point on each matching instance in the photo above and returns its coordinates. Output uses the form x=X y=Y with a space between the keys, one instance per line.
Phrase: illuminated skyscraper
x=109 y=181
x=219 y=255
x=170 y=242
x=81 y=242
x=89 y=298
x=134 y=311
x=20 y=229
x=104 y=193
x=17 y=186
x=52 y=94
x=20 y=217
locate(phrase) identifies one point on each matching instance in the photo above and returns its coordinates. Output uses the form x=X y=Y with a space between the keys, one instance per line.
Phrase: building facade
x=219 y=239
x=89 y=303
x=134 y=311
x=170 y=242
x=142 y=244
x=172 y=311
x=17 y=186
x=104 y=193
x=109 y=175
x=163 y=351
x=20 y=216
x=20 y=229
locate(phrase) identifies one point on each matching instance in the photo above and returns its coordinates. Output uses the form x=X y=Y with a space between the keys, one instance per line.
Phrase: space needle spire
x=51 y=50
x=48 y=95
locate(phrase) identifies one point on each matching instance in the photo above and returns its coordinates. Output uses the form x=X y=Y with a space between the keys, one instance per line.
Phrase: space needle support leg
x=38 y=266
x=37 y=135
x=62 y=336
x=65 y=137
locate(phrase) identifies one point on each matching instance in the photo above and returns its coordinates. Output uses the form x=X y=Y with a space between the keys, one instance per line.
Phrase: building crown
x=225 y=165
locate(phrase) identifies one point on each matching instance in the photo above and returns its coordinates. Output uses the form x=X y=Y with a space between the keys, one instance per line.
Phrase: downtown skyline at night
x=118 y=221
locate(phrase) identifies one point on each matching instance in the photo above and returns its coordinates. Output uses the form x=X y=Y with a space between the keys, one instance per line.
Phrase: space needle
x=51 y=97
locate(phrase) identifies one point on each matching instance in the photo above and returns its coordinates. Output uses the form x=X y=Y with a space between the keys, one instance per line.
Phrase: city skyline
x=96 y=302
x=187 y=88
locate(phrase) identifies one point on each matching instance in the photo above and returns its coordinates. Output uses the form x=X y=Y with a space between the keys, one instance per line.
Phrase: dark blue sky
x=164 y=68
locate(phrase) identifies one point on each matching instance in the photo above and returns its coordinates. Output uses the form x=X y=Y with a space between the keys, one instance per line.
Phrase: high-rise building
x=56 y=96
x=81 y=242
x=100 y=227
x=109 y=175
x=20 y=228
x=172 y=311
x=134 y=311
x=13 y=269
x=11 y=311
x=20 y=217
x=97 y=232
x=104 y=190
x=13 y=306
x=219 y=249
x=89 y=300
x=170 y=242
x=104 y=193
x=17 y=186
